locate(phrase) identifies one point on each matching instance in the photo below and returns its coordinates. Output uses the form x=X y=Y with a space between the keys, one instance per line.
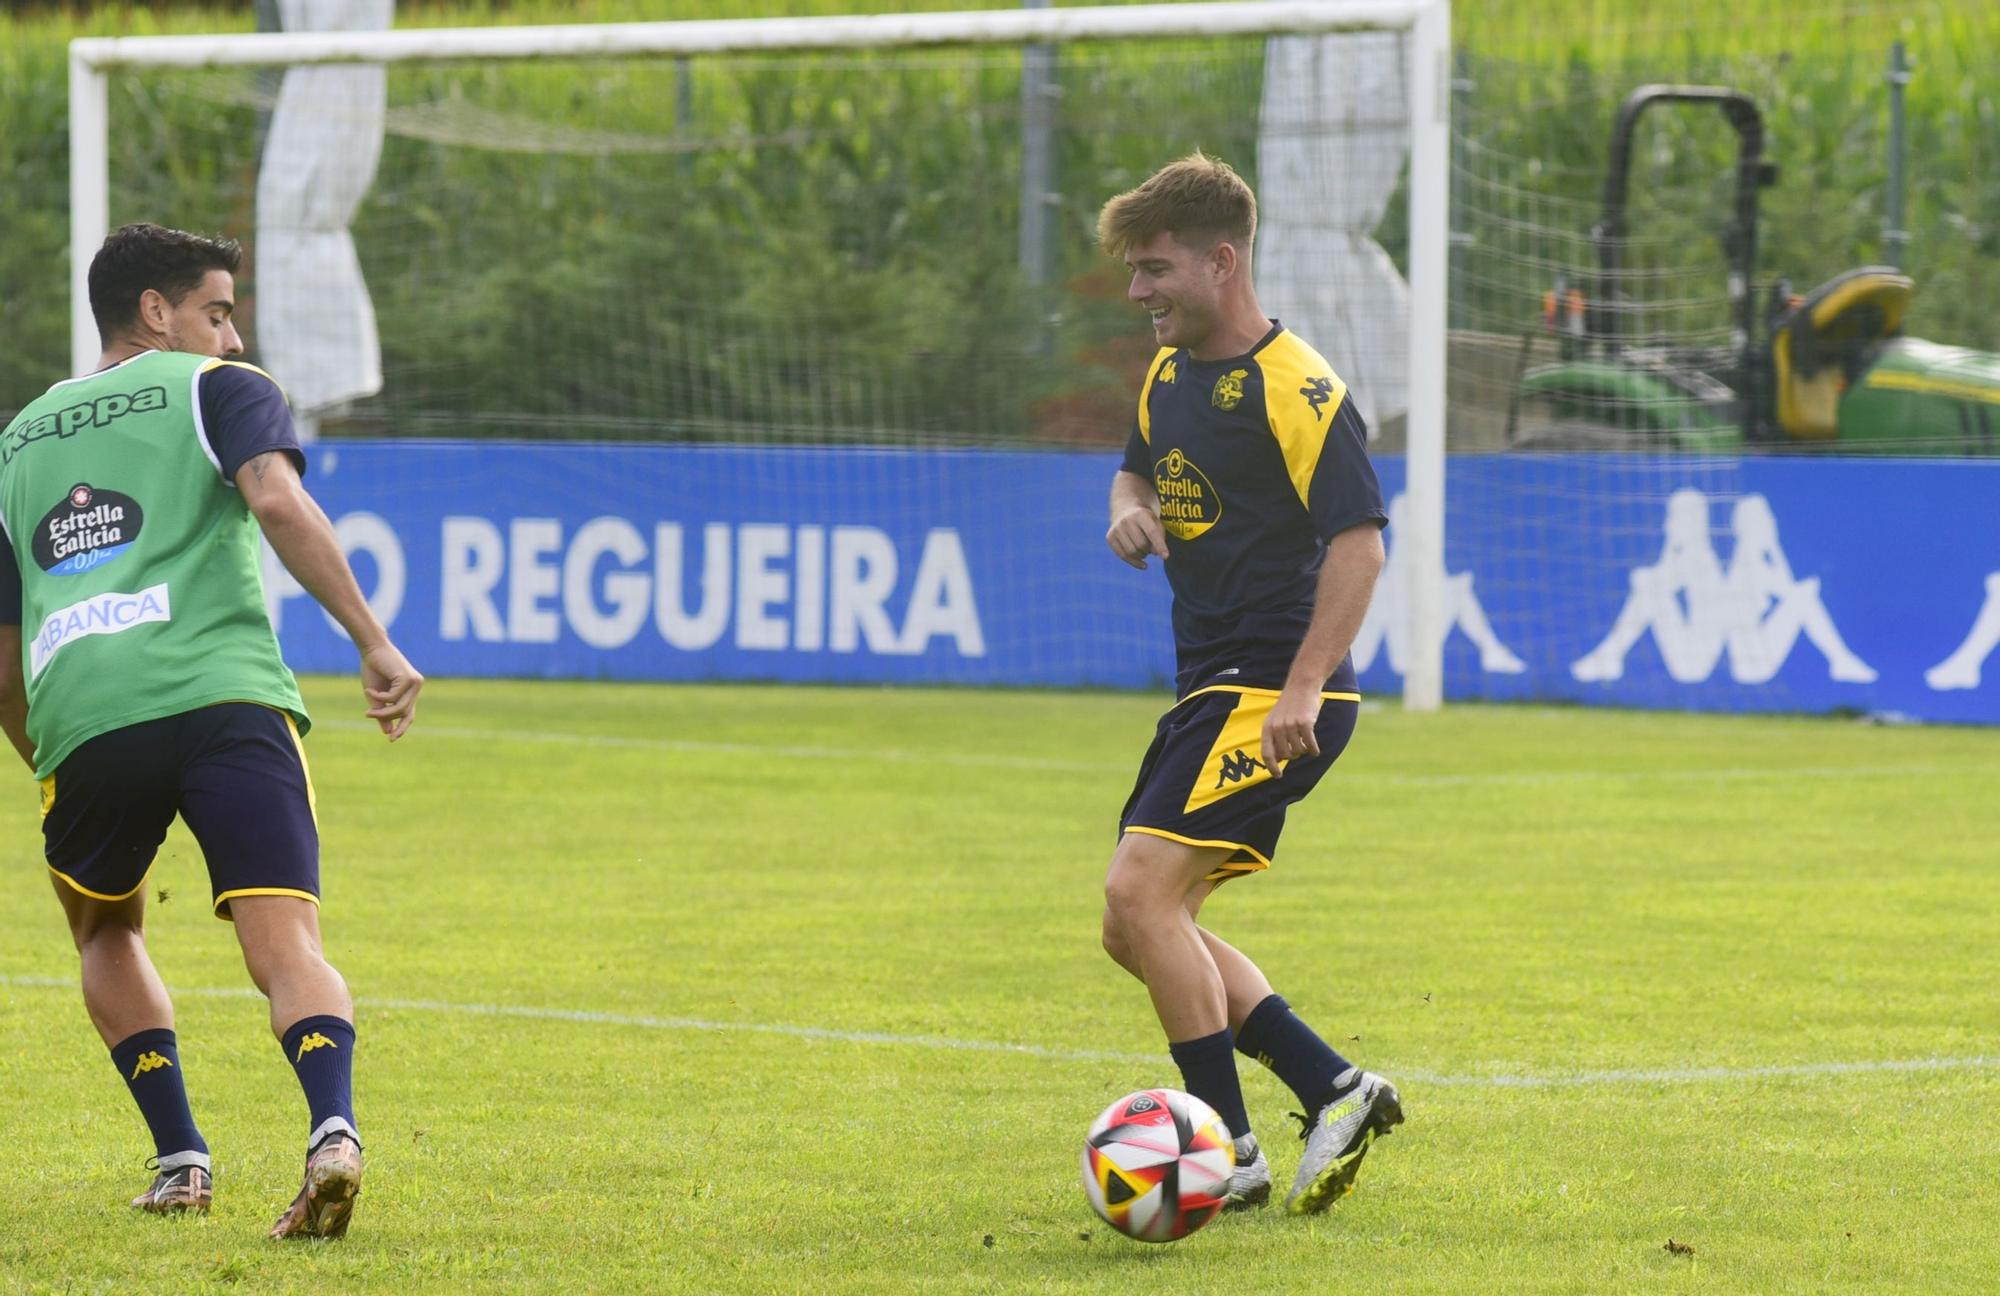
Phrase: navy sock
x=1208 y=1071
x=150 y=1061
x=321 y=1051
x=1274 y=1036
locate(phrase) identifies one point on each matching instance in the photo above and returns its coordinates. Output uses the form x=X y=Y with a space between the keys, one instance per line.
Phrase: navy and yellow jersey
x=1258 y=460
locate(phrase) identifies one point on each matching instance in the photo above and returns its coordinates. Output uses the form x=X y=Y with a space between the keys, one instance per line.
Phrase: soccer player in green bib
x=140 y=678
x=1247 y=474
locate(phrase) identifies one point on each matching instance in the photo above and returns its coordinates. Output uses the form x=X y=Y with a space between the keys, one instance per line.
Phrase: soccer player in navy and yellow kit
x=149 y=684
x=1247 y=475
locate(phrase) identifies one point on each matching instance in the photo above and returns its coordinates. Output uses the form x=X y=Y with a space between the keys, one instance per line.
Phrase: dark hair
x=1198 y=200
x=140 y=256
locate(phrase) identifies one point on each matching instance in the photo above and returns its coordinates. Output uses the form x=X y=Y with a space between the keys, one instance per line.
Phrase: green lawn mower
x=1829 y=372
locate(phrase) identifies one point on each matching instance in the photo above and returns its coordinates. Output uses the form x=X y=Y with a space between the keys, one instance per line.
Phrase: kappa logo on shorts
x=150 y=1062
x=314 y=1041
x=1239 y=766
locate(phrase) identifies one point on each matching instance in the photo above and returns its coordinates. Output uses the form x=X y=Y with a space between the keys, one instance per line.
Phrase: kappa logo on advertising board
x=89 y=528
x=1387 y=625
x=1699 y=611
x=1961 y=670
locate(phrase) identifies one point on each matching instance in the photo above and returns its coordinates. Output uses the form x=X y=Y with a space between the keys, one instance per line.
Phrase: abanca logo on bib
x=112 y=613
x=88 y=528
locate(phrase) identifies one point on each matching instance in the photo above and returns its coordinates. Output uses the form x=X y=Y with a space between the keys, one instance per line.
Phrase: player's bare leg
x=1152 y=893
x=312 y=1015
x=121 y=989
x=1146 y=915
x=281 y=947
x=129 y=1006
x=1243 y=983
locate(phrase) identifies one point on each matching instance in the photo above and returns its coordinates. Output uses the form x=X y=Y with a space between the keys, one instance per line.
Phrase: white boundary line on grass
x=992 y=760
x=1579 y=1079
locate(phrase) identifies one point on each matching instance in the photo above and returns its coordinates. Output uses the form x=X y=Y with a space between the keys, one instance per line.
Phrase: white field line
x=1577 y=1079
x=994 y=760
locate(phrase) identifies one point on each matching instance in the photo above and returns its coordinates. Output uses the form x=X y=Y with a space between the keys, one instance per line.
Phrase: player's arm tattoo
x=261 y=464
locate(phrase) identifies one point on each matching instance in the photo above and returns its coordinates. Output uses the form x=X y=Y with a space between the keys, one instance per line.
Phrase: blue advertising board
x=1785 y=584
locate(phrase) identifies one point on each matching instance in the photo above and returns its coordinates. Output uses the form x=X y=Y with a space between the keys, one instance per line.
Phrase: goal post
x=1423 y=25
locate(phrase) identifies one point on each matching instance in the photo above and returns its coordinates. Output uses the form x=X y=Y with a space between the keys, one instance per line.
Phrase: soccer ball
x=1156 y=1164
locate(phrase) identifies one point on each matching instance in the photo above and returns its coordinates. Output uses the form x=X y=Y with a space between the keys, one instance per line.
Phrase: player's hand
x=391 y=686
x=1288 y=730
x=1135 y=533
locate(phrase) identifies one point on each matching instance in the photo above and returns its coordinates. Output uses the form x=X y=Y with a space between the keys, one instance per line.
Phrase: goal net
x=860 y=248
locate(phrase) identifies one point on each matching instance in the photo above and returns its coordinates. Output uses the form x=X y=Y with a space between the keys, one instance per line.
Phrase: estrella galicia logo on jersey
x=1228 y=393
x=314 y=1041
x=1238 y=766
x=1169 y=372
x=72 y=419
x=90 y=527
x=1188 y=502
x=1317 y=391
x=150 y=1062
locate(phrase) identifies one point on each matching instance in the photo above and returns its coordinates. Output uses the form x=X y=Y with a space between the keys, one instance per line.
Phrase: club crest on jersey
x=1188 y=502
x=1228 y=393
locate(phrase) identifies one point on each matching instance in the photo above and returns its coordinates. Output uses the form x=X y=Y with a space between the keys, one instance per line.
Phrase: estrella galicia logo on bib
x=90 y=527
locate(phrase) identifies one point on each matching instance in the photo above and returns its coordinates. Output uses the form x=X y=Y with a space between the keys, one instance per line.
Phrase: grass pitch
x=763 y=990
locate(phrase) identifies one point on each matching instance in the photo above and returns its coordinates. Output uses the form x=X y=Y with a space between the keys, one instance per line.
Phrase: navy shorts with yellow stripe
x=234 y=772
x=1203 y=781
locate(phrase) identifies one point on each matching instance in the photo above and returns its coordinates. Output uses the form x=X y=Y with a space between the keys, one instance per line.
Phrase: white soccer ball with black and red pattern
x=1156 y=1164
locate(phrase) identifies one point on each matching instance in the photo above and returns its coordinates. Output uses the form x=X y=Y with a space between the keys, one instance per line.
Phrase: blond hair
x=1199 y=200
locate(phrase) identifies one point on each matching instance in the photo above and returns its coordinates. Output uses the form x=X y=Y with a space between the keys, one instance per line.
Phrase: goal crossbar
x=751 y=35
x=92 y=59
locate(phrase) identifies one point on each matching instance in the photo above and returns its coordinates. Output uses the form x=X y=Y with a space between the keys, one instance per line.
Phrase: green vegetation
x=849 y=271
x=700 y=990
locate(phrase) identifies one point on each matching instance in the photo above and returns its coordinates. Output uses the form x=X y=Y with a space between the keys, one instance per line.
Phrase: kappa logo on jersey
x=150 y=1062
x=1239 y=766
x=1188 y=502
x=1228 y=393
x=72 y=419
x=1169 y=371
x=314 y=1041
x=88 y=528
x=112 y=613
x=1317 y=391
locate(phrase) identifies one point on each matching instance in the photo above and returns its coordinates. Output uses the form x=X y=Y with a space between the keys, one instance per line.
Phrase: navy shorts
x=234 y=772
x=1203 y=781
